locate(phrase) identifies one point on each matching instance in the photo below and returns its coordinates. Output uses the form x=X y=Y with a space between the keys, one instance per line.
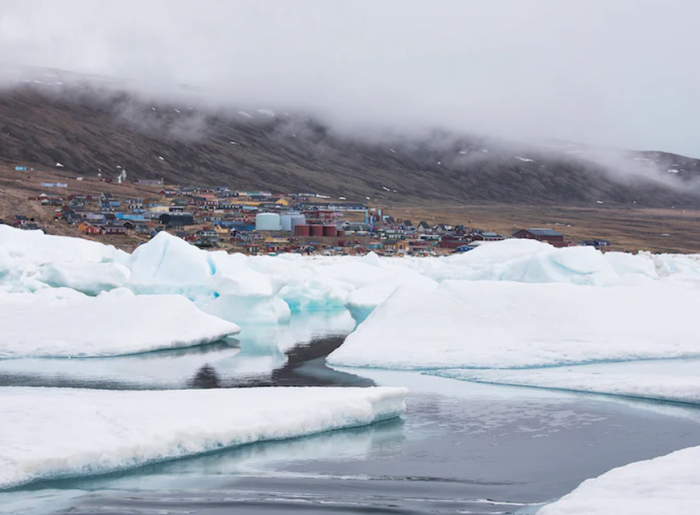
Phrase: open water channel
x=460 y=448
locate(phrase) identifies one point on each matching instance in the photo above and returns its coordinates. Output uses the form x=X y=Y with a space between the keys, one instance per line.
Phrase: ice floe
x=485 y=324
x=363 y=300
x=240 y=287
x=667 y=380
x=54 y=433
x=669 y=484
x=113 y=324
x=89 y=278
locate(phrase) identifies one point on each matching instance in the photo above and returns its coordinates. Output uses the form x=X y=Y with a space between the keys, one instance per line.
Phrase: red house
x=88 y=228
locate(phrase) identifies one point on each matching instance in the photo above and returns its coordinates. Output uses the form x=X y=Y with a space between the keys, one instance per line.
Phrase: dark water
x=461 y=447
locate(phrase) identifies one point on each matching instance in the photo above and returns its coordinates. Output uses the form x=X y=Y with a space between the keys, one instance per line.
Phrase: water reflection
x=460 y=448
x=259 y=356
x=214 y=472
x=206 y=377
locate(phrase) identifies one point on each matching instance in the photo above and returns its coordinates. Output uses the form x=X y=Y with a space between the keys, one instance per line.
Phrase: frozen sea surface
x=670 y=380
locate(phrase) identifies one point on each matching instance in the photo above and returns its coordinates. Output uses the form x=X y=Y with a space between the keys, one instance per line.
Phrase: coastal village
x=252 y=222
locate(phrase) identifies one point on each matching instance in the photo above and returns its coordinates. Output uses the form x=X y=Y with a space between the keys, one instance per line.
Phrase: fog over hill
x=399 y=100
x=616 y=74
x=91 y=125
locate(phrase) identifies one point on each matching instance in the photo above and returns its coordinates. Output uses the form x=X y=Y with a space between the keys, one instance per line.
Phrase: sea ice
x=667 y=380
x=167 y=264
x=107 y=325
x=249 y=309
x=482 y=324
x=89 y=278
x=25 y=250
x=363 y=300
x=669 y=484
x=53 y=433
x=31 y=261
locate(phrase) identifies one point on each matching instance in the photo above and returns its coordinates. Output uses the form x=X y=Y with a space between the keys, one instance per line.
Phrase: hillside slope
x=89 y=132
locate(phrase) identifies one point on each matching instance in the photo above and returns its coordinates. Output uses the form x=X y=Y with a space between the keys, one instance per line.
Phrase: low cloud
x=617 y=74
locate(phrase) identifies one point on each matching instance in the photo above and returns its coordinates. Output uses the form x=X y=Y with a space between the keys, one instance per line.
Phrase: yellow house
x=160 y=209
x=221 y=230
x=283 y=202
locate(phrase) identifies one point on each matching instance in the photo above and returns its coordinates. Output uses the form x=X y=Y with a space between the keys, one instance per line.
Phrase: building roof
x=544 y=232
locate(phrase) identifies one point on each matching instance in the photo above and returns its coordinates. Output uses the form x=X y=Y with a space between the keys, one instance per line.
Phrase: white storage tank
x=290 y=221
x=268 y=222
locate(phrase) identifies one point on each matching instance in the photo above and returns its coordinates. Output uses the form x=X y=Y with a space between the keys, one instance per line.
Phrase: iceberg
x=534 y=262
x=249 y=310
x=88 y=278
x=29 y=257
x=169 y=264
x=362 y=301
x=265 y=289
x=487 y=324
x=112 y=324
x=56 y=433
x=27 y=248
x=669 y=484
x=668 y=380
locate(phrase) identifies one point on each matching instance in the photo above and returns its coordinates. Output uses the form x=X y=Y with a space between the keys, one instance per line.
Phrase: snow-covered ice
x=256 y=351
x=669 y=484
x=667 y=380
x=89 y=278
x=25 y=249
x=506 y=325
x=113 y=324
x=524 y=159
x=362 y=301
x=52 y=433
x=169 y=264
x=266 y=289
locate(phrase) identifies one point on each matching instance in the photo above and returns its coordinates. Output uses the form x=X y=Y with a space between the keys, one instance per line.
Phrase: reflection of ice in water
x=261 y=351
x=299 y=330
x=263 y=347
x=214 y=471
x=261 y=459
x=37 y=502
x=171 y=369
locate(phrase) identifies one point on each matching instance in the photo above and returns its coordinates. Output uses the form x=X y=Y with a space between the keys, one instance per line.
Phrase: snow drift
x=482 y=324
x=55 y=433
x=119 y=323
x=669 y=484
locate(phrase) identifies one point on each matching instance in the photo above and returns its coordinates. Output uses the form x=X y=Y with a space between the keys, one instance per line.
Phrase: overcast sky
x=613 y=72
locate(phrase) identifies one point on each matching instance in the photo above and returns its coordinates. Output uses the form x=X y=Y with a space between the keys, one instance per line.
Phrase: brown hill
x=89 y=132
